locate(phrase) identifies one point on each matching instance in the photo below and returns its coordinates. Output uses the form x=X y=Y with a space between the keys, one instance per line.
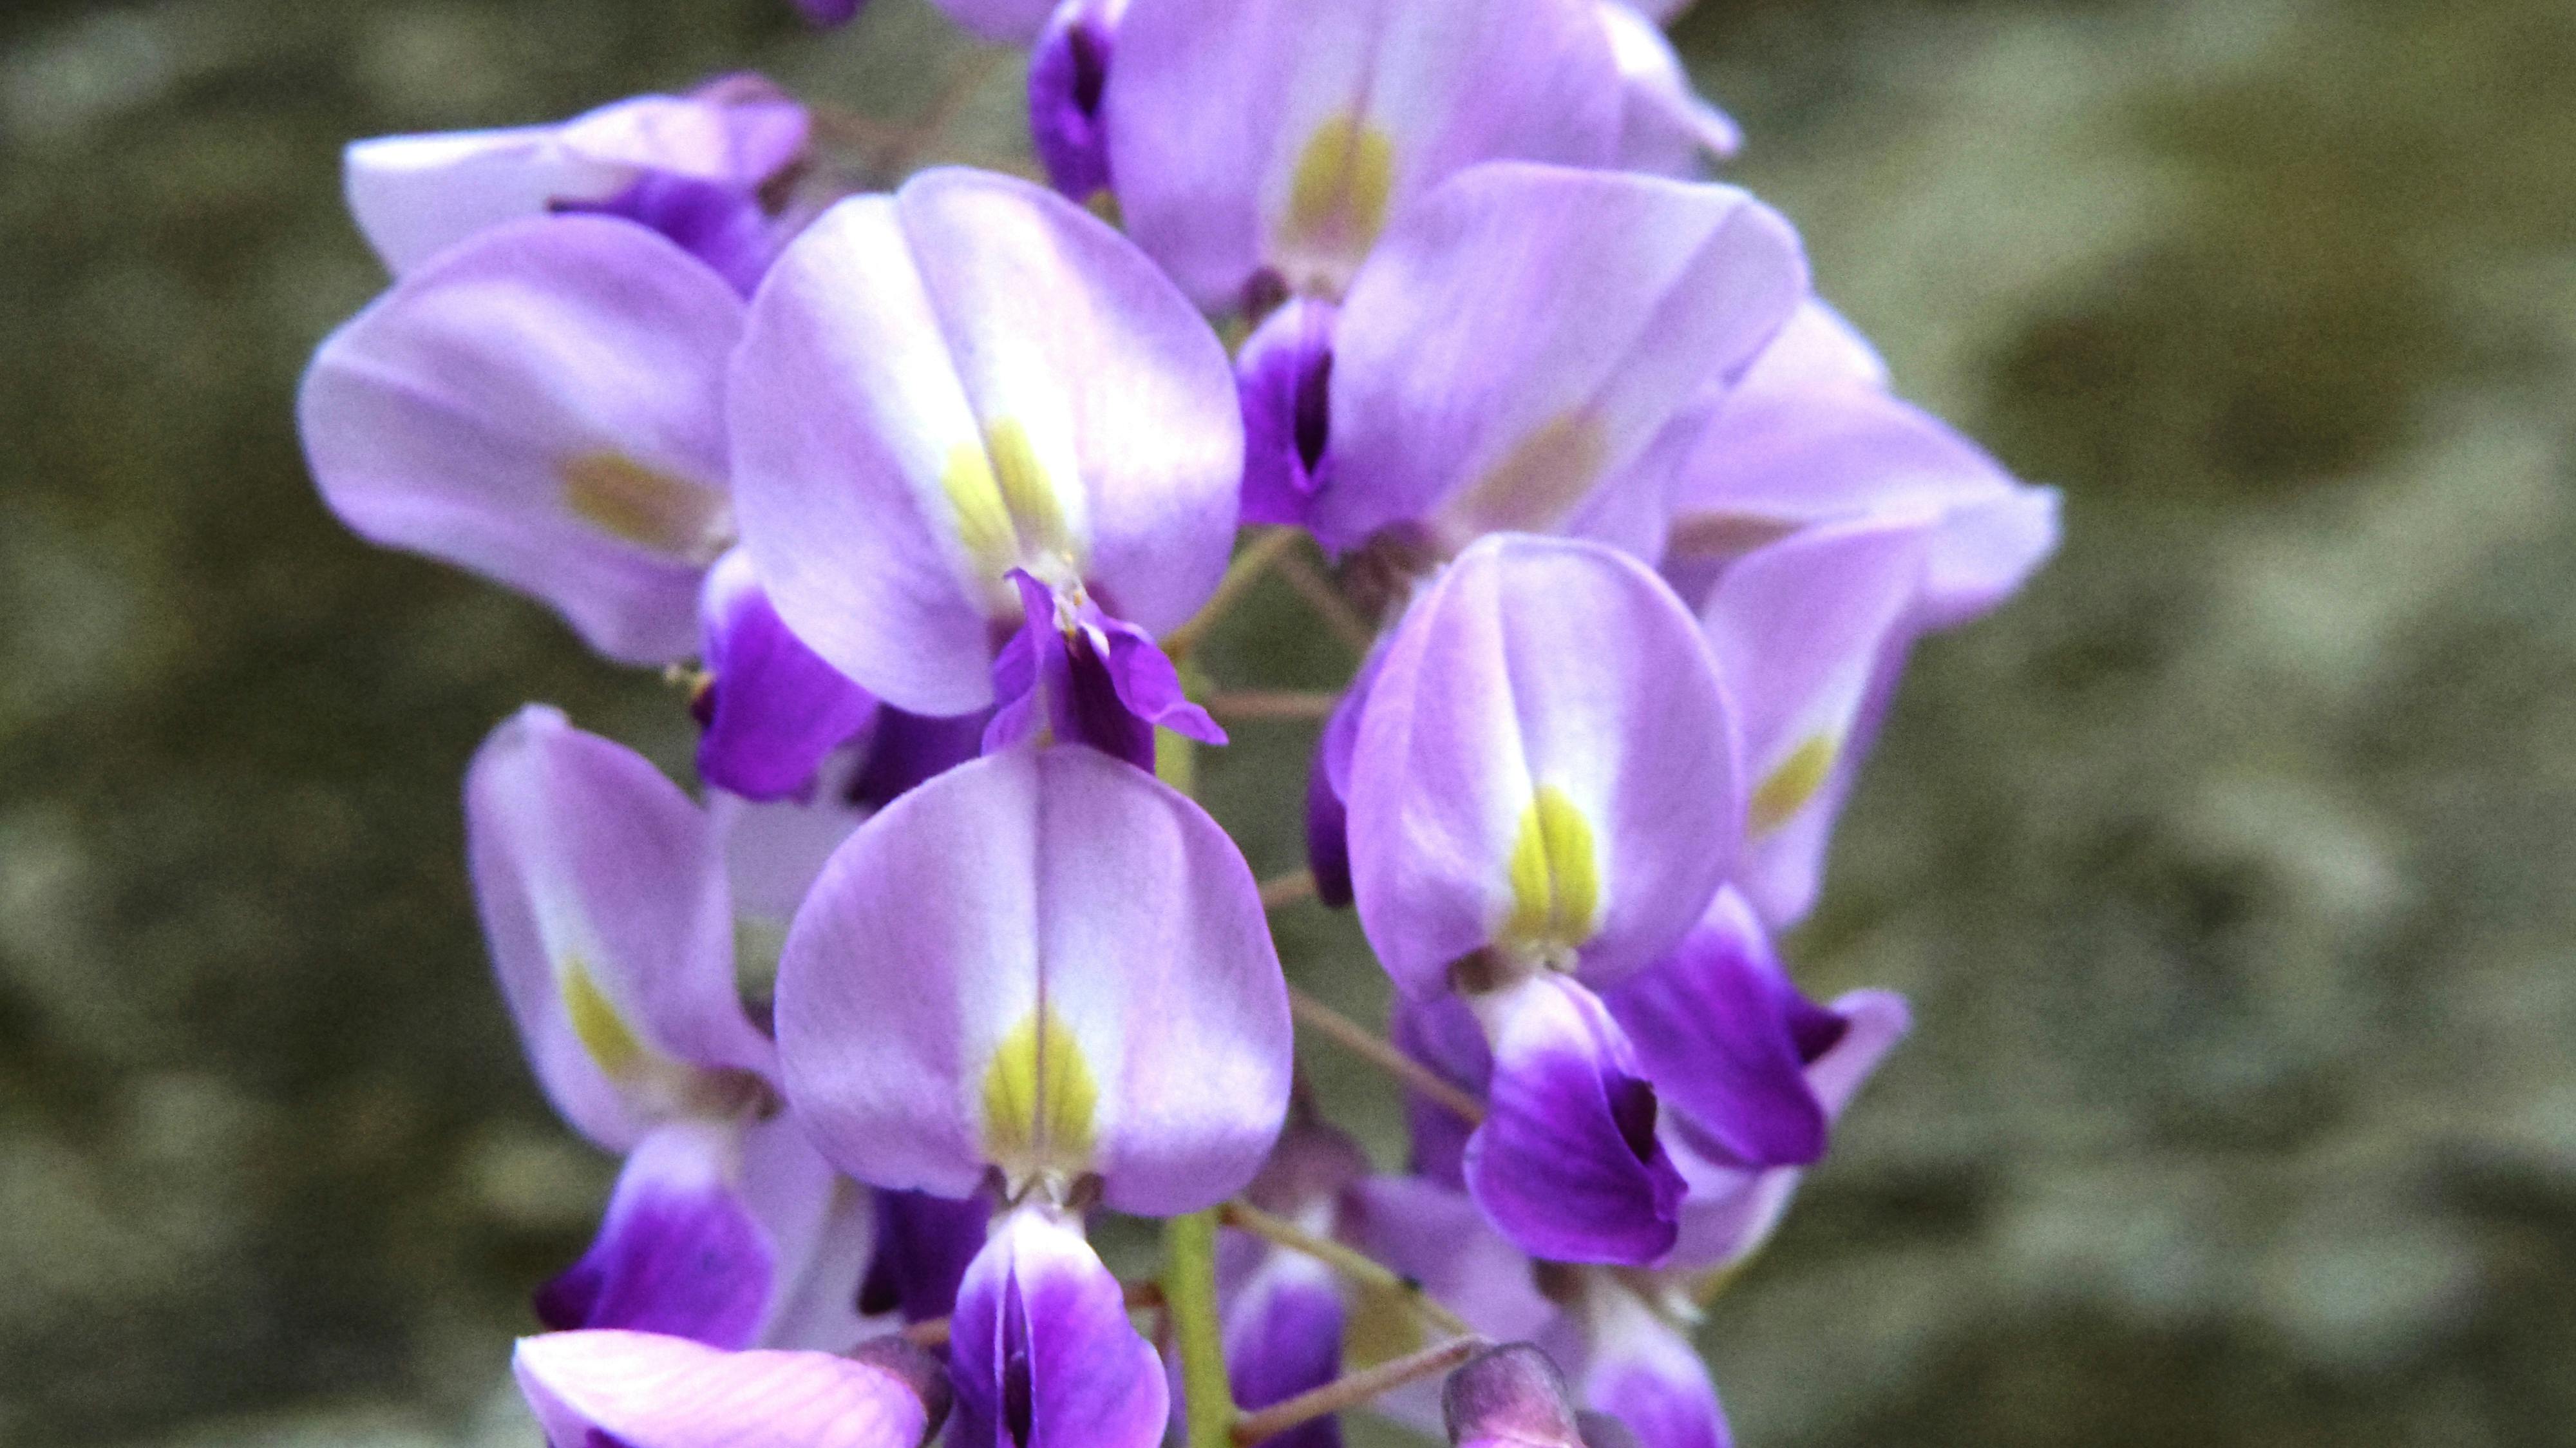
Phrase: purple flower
x=1042 y=963
x=1284 y=1310
x=1532 y=348
x=696 y=163
x=1068 y=81
x=603 y=895
x=1084 y=677
x=771 y=707
x=1267 y=144
x=1665 y=127
x=641 y=1390
x=1042 y=1351
x=1811 y=434
x=923 y=1247
x=1627 y=1348
x=1285 y=374
x=542 y=404
x=964 y=381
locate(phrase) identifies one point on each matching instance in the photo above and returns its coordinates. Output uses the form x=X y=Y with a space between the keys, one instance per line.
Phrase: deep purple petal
x=1283 y=1336
x=1068 y=77
x=1567 y=1163
x=924 y=1244
x=1284 y=373
x=1042 y=1352
x=645 y=1390
x=772 y=708
x=1095 y=679
x=1328 y=783
x=723 y=227
x=910 y=749
x=1716 y=1028
x=1441 y=1033
x=830 y=12
x=678 y=1252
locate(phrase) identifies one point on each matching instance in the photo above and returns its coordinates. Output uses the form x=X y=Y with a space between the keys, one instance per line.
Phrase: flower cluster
x=924 y=495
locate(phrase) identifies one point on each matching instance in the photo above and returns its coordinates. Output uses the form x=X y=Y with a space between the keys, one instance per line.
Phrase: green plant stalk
x=1189 y=1293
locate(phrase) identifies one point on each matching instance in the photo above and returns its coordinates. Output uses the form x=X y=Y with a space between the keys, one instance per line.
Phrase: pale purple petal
x=738 y=131
x=774 y=851
x=1541 y=683
x=1666 y=128
x=905 y=353
x=1523 y=338
x=679 y=1251
x=1511 y=1397
x=1042 y=1352
x=1282 y=136
x=1567 y=1163
x=542 y=405
x=924 y=1246
x=1060 y=893
x=1819 y=347
x=773 y=710
x=817 y=1305
x=1441 y=1033
x=603 y=898
x=1802 y=629
x=644 y=1390
x=1714 y=1027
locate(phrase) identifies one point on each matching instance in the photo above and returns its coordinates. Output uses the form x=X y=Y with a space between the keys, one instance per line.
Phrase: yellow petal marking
x=1005 y=505
x=596 y=1024
x=644 y=506
x=1555 y=876
x=1337 y=195
x=1786 y=789
x=1540 y=480
x=1039 y=1099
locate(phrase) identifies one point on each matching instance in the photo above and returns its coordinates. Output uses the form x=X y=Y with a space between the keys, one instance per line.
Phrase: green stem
x=1189 y=1290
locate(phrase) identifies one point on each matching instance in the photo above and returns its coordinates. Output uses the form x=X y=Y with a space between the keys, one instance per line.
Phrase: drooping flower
x=693 y=167
x=1259 y=149
x=1543 y=801
x=642 y=1390
x=543 y=405
x=603 y=896
x=1530 y=348
x=1047 y=971
x=964 y=382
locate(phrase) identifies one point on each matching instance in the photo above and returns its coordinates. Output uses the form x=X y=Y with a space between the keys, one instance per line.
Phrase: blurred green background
x=2229 y=868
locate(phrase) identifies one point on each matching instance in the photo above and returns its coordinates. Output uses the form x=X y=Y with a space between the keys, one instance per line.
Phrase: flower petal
x=970 y=377
x=1545 y=768
x=643 y=1390
x=924 y=1246
x=1285 y=373
x=1523 y=338
x=1638 y=1369
x=542 y=405
x=1730 y=1210
x=1283 y=1336
x=1284 y=135
x=1003 y=22
x=1712 y=1028
x=1042 y=1351
x=1068 y=79
x=1046 y=961
x=1667 y=129
x=1511 y=1397
x=1441 y=1033
x=1803 y=630
x=772 y=708
x=679 y=1252
x=1437 y=1237
x=603 y=899
x=1568 y=1164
